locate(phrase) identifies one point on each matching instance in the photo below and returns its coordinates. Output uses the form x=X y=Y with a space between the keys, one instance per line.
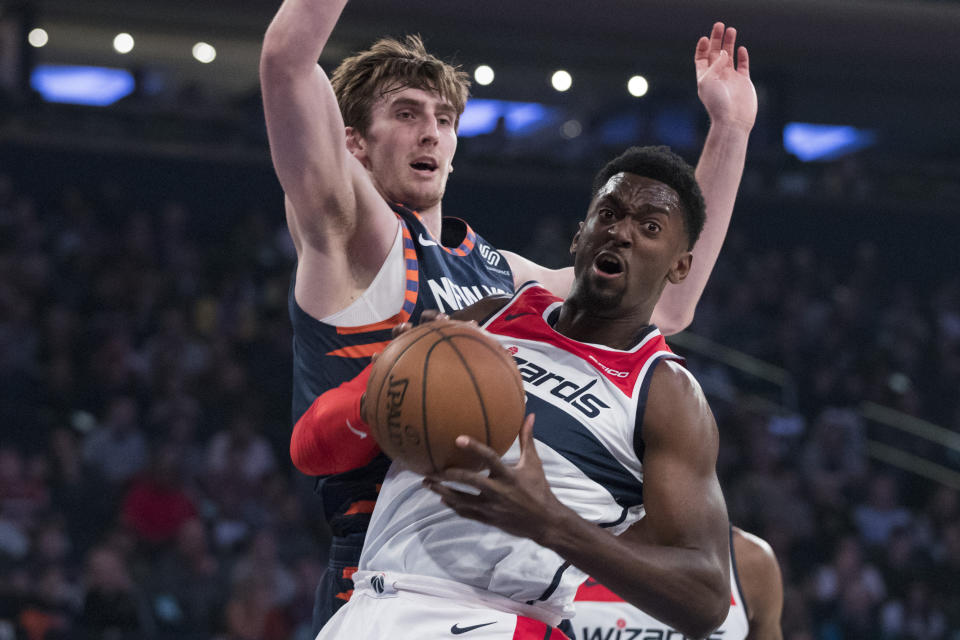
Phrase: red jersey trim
x=622 y=368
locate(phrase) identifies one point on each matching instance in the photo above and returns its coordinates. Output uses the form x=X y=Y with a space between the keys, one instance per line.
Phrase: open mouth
x=608 y=264
x=424 y=164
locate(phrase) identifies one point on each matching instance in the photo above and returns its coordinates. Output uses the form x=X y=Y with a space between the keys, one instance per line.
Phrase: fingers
x=527 y=446
x=401 y=328
x=701 y=57
x=456 y=500
x=729 y=41
x=430 y=315
x=483 y=454
x=716 y=41
x=743 y=61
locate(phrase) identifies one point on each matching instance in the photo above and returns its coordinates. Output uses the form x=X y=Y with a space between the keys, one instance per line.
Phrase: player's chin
x=603 y=295
x=420 y=199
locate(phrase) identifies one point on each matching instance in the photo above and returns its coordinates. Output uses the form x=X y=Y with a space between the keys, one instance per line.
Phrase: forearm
x=299 y=32
x=683 y=587
x=718 y=173
x=331 y=436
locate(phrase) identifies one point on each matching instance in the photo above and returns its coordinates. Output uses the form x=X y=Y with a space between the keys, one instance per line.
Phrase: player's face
x=408 y=148
x=632 y=243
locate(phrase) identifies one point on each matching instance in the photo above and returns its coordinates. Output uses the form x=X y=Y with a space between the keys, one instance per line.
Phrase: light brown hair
x=390 y=65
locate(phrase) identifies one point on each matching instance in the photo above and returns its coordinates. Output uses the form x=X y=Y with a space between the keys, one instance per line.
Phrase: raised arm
x=673 y=563
x=332 y=206
x=731 y=102
x=761 y=583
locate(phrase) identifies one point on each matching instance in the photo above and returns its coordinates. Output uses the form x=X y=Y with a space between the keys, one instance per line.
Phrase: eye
x=653 y=227
x=404 y=115
x=606 y=214
x=445 y=121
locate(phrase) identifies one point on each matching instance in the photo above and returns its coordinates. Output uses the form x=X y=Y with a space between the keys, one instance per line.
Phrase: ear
x=356 y=144
x=681 y=267
x=576 y=239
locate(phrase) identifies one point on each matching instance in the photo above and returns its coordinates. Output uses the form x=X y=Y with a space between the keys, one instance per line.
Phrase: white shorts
x=403 y=607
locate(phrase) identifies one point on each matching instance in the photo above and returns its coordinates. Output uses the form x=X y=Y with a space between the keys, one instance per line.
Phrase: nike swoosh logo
x=514 y=316
x=424 y=242
x=457 y=629
x=356 y=431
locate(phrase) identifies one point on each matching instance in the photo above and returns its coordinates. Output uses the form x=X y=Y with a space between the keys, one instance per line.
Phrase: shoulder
x=759 y=573
x=675 y=404
x=755 y=559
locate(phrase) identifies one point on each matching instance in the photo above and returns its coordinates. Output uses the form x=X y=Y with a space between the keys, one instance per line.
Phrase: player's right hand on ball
x=430 y=315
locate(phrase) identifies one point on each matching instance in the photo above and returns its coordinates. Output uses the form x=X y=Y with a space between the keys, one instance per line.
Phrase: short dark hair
x=390 y=65
x=660 y=163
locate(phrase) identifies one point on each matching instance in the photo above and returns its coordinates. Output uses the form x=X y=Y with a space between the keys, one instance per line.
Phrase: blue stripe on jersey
x=638 y=444
x=567 y=436
x=553 y=583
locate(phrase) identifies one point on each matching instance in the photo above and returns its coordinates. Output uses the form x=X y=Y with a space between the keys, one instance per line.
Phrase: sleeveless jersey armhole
x=638 y=444
x=385 y=295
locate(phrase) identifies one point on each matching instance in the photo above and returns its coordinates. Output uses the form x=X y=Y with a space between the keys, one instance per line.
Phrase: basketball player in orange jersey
x=383 y=130
x=622 y=487
x=756 y=602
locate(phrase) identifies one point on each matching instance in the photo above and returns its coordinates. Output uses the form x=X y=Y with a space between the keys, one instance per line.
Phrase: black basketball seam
x=473 y=381
x=386 y=376
x=497 y=350
x=423 y=399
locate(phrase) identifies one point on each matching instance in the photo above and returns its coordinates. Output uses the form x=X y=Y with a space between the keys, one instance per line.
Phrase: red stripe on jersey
x=361 y=506
x=522 y=318
x=530 y=629
x=348 y=572
x=389 y=323
x=593 y=591
x=344 y=595
x=733 y=601
x=359 y=350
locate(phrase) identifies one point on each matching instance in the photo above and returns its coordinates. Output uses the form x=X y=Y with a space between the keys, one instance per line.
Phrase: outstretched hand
x=725 y=88
x=515 y=498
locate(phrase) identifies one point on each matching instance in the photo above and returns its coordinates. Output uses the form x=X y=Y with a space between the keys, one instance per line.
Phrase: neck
x=432 y=219
x=617 y=331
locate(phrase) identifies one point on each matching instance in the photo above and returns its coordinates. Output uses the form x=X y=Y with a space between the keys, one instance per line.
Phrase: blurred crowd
x=146 y=489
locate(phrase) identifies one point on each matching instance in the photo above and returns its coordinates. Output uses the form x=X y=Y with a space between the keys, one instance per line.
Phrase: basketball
x=436 y=382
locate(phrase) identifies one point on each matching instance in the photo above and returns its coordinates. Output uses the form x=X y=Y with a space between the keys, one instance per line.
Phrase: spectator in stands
x=117 y=449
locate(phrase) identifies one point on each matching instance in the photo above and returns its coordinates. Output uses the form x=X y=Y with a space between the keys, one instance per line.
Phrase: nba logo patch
x=377 y=583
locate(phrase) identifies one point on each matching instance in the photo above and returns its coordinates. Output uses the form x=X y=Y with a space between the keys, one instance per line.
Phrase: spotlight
x=38 y=38
x=123 y=43
x=561 y=80
x=638 y=86
x=204 y=52
x=483 y=75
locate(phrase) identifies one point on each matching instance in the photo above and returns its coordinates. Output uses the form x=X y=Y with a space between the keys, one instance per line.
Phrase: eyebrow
x=443 y=107
x=647 y=207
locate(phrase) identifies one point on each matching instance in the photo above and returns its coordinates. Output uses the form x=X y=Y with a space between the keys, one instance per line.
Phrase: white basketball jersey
x=589 y=402
x=603 y=615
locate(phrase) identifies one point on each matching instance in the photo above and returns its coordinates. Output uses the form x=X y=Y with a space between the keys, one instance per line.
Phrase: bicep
x=681 y=492
x=556 y=281
x=329 y=194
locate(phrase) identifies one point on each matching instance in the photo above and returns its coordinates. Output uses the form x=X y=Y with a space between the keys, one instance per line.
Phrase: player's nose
x=430 y=131
x=620 y=231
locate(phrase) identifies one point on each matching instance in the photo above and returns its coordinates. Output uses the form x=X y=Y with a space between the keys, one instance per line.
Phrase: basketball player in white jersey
x=385 y=131
x=756 y=602
x=618 y=480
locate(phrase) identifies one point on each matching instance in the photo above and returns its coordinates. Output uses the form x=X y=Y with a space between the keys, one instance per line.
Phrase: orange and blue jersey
x=437 y=277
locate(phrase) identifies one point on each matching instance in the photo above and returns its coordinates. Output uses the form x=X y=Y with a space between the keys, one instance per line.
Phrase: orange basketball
x=436 y=382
